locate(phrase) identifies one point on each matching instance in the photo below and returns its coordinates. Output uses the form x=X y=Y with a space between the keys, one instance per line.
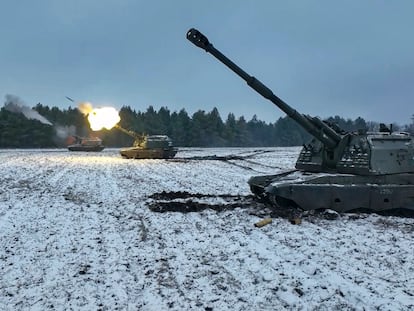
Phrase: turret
x=331 y=150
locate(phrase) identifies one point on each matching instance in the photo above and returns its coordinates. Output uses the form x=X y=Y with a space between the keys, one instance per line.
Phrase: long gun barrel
x=314 y=126
x=136 y=136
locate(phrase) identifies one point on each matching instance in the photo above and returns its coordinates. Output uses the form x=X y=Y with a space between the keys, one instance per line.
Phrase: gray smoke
x=63 y=132
x=14 y=104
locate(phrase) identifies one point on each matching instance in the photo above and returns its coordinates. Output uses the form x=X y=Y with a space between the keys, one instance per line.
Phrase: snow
x=78 y=232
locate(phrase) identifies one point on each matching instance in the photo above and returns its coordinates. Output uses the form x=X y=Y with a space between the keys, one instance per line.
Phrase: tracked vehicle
x=338 y=170
x=148 y=146
x=88 y=144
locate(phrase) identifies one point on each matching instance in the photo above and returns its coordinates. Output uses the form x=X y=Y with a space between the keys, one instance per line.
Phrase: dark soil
x=191 y=202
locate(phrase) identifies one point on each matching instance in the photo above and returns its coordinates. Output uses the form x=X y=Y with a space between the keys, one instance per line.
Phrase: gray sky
x=349 y=58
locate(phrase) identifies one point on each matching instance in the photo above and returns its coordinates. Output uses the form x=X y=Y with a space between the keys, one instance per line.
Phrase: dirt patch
x=232 y=159
x=240 y=156
x=173 y=195
x=185 y=202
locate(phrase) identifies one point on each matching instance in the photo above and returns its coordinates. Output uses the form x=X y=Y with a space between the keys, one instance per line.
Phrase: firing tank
x=88 y=144
x=337 y=170
x=148 y=146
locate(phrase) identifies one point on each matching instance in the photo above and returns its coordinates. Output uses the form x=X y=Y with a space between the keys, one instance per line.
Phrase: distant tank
x=337 y=170
x=90 y=144
x=148 y=146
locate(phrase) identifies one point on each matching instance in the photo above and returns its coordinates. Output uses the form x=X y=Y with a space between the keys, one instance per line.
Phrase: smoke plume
x=64 y=135
x=62 y=132
x=14 y=104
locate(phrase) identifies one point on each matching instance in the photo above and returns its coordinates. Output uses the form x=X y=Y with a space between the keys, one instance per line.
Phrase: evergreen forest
x=201 y=129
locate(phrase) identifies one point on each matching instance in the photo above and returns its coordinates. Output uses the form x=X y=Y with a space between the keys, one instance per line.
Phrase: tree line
x=201 y=129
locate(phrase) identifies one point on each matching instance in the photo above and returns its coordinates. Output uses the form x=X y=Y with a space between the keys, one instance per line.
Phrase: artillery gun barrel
x=326 y=135
x=136 y=136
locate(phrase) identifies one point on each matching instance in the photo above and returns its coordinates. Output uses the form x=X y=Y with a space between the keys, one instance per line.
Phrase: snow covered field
x=82 y=231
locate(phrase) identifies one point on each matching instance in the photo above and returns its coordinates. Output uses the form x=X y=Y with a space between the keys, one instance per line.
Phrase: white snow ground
x=76 y=232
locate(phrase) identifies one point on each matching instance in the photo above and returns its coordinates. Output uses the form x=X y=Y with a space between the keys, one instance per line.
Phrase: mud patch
x=232 y=159
x=185 y=202
x=240 y=156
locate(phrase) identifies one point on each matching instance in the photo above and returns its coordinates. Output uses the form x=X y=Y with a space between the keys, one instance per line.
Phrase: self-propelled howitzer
x=337 y=169
x=148 y=146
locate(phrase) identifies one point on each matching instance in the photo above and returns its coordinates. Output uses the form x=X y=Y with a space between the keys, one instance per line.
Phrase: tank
x=148 y=146
x=90 y=144
x=337 y=170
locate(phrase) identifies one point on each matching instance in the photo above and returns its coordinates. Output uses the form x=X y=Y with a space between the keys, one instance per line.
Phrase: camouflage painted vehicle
x=338 y=170
x=89 y=144
x=148 y=146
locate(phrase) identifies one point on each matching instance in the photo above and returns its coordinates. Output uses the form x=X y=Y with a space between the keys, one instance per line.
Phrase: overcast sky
x=349 y=58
